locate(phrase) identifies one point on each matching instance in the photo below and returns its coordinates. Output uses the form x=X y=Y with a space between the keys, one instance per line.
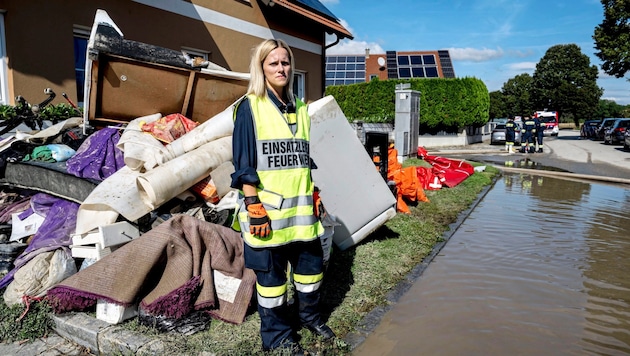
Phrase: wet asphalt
x=567 y=153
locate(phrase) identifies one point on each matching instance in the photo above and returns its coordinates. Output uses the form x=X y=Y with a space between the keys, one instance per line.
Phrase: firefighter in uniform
x=540 y=132
x=279 y=214
x=510 y=134
x=527 y=135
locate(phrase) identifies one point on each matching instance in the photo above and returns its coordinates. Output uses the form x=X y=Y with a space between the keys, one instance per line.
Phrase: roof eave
x=330 y=24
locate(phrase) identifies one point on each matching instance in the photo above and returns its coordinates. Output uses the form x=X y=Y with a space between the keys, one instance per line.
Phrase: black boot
x=323 y=330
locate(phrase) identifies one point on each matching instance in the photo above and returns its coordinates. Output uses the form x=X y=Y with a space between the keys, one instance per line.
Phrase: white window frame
x=82 y=32
x=299 y=83
x=194 y=52
x=4 y=68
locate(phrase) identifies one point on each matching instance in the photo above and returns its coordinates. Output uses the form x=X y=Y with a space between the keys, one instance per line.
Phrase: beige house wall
x=40 y=48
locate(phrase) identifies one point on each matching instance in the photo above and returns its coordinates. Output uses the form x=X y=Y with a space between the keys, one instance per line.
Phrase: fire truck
x=550 y=119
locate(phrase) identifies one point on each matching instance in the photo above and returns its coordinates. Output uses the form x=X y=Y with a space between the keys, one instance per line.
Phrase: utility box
x=406 y=125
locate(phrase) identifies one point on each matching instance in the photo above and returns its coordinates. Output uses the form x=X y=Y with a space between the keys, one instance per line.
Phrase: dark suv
x=605 y=125
x=615 y=133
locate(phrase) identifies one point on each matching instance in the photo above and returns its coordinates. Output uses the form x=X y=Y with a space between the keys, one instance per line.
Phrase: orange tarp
x=408 y=186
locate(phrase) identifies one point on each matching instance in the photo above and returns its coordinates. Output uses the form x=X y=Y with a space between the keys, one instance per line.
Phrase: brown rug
x=183 y=264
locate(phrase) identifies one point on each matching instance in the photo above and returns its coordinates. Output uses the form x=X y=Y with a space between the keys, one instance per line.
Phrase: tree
x=517 y=94
x=609 y=108
x=612 y=37
x=497 y=105
x=565 y=81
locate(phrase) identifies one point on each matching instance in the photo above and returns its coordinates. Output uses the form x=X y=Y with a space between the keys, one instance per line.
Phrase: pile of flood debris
x=51 y=235
x=126 y=211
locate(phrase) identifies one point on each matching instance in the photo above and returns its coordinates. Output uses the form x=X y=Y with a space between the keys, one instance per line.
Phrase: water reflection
x=540 y=267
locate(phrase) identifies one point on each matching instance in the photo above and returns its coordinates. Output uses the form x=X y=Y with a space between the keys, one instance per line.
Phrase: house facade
x=43 y=43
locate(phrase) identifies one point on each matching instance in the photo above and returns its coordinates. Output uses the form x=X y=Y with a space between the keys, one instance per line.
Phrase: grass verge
x=357 y=280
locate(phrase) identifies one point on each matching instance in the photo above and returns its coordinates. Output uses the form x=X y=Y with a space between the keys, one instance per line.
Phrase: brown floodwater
x=540 y=267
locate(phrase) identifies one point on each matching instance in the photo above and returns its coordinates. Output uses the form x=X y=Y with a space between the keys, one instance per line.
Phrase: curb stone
x=103 y=338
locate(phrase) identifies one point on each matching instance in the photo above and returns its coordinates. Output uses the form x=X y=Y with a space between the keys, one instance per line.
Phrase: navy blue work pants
x=270 y=266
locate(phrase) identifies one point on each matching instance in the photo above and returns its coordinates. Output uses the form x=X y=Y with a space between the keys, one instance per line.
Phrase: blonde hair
x=257 y=85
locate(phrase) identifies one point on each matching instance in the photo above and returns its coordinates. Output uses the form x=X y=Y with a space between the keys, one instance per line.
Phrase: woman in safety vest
x=279 y=216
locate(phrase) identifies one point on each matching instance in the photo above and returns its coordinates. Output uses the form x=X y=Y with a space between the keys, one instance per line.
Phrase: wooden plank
x=189 y=89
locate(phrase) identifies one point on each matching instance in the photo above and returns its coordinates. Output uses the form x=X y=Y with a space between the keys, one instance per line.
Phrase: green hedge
x=445 y=104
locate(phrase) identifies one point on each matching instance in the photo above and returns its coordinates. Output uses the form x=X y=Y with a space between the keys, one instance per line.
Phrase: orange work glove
x=318 y=206
x=259 y=223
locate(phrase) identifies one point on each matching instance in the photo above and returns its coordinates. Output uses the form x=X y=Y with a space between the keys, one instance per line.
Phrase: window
x=81 y=36
x=404 y=72
x=298 y=84
x=373 y=76
x=193 y=53
x=4 y=84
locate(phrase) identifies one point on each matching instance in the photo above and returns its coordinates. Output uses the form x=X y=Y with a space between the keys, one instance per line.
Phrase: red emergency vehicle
x=550 y=119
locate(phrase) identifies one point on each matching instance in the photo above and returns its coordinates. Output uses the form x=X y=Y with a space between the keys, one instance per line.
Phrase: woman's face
x=277 y=69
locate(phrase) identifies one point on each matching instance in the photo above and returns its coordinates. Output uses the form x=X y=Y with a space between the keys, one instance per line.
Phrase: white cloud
x=351 y=46
x=474 y=54
x=355 y=47
x=522 y=66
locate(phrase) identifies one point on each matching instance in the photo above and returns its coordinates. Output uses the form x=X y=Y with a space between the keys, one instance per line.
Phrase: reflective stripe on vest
x=283 y=167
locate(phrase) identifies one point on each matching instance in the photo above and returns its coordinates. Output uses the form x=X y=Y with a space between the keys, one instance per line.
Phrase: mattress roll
x=165 y=182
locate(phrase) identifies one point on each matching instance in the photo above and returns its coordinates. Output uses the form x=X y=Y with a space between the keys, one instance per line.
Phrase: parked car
x=626 y=141
x=498 y=135
x=588 y=128
x=601 y=129
x=616 y=132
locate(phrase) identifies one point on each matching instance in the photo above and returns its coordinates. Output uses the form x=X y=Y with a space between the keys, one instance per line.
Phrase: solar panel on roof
x=317 y=6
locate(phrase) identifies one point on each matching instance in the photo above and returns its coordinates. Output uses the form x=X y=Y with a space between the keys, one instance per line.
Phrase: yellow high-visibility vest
x=283 y=167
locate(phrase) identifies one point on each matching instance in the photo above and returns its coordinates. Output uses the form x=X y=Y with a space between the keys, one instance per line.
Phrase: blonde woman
x=279 y=215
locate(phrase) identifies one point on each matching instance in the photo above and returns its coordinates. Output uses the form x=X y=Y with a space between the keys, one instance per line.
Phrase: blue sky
x=493 y=40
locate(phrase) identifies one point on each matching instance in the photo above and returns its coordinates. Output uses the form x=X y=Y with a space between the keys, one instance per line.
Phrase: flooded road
x=540 y=267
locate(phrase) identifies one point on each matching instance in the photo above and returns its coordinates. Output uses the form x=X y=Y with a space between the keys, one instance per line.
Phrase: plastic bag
x=186 y=325
x=98 y=157
x=55 y=231
x=39 y=275
x=60 y=152
x=170 y=127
